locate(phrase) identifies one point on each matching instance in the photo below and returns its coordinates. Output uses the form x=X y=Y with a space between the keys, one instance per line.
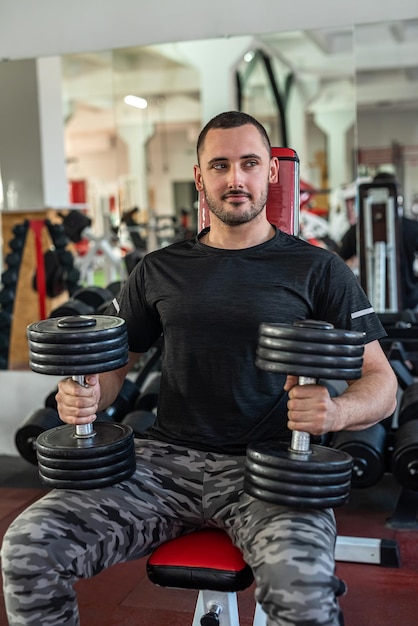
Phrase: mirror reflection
x=346 y=99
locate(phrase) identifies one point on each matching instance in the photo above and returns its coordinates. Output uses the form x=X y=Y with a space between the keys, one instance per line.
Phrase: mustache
x=236 y=192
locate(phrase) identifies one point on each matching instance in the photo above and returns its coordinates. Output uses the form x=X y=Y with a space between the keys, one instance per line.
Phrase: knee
x=299 y=593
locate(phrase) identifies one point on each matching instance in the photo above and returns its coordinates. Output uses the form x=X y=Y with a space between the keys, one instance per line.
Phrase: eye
x=219 y=166
x=251 y=163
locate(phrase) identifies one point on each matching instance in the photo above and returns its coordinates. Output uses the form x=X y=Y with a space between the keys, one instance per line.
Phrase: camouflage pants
x=69 y=535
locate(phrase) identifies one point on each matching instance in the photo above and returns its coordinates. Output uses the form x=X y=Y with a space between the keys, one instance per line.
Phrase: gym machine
x=378 y=242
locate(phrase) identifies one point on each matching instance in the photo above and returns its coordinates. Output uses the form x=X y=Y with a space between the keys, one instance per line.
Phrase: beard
x=237 y=216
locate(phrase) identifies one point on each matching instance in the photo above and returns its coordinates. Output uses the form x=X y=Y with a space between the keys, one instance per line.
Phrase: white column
x=32 y=157
x=335 y=125
x=216 y=60
x=51 y=128
x=136 y=137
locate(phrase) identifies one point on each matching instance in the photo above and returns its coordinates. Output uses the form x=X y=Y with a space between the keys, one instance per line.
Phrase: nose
x=235 y=178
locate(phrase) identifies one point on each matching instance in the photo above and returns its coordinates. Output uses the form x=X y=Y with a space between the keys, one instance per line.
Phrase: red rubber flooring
x=377 y=595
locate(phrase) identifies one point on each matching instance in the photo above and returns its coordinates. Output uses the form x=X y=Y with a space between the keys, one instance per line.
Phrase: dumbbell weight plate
x=291 y=345
x=93 y=296
x=318 y=460
x=77 y=481
x=367 y=447
x=288 y=476
x=80 y=360
x=314 y=332
x=405 y=455
x=300 y=358
x=37 y=422
x=76 y=329
x=85 y=463
x=298 y=490
x=324 y=501
x=61 y=442
x=103 y=471
x=71 y=307
x=76 y=348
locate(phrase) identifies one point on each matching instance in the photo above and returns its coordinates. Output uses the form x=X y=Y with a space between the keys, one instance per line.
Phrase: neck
x=237 y=237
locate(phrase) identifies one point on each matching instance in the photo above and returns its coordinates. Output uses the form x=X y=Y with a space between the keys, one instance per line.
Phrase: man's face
x=234 y=173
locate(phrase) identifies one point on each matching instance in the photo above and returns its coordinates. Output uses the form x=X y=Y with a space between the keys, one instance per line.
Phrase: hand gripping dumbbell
x=84 y=456
x=303 y=475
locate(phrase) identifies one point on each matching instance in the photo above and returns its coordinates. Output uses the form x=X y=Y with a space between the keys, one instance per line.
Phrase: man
x=208 y=297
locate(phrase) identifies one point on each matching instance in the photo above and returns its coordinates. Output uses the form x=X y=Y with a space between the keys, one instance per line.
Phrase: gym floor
x=123 y=596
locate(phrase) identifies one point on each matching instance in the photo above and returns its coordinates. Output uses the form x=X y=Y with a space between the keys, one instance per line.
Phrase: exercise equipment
x=405 y=455
x=205 y=560
x=408 y=409
x=36 y=423
x=139 y=421
x=81 y=457
x=379 y=220
x=368 y=449
x=302 y=475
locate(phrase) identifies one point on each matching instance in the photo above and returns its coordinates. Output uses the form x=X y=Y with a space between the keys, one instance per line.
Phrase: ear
x=274 y=170
x=198 y=178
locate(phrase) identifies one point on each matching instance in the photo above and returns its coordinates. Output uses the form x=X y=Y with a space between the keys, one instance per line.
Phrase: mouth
x=237 y=196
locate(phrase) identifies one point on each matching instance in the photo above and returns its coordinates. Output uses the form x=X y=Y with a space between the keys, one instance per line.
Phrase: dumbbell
x=36 y=422
x=303 y=475
x=81 y=457
x=140 y=421
x=368 y=449
x=404 y=462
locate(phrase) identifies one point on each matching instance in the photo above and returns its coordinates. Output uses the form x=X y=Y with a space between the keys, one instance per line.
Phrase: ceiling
x=377 y=64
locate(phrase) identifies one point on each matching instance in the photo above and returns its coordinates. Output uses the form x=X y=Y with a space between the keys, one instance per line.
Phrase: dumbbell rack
x=379 y=236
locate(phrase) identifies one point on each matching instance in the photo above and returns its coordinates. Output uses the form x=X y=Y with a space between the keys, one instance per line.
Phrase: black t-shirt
x=209 y=304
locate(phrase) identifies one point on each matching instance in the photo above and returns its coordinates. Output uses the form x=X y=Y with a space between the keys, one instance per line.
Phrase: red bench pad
x=203 y=559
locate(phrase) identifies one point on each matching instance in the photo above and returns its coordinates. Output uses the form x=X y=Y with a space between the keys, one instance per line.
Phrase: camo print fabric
x=69 y=535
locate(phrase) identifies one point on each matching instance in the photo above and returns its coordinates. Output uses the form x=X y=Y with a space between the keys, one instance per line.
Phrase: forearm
x=111 y=382
x=366 y=402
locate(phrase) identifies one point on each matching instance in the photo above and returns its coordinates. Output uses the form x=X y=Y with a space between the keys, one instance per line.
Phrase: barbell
x=84 y=456
x=303 y=475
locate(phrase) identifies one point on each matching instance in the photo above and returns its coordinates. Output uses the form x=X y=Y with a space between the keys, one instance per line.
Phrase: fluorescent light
x=135 y=101
x=248 y=56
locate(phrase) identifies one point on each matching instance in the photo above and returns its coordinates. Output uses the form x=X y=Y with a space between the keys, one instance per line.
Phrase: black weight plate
x=294 y=359
x=76 y=348
x=305 y=478
x=88 y=462
x=76 y=329
x=71 y=307
x=312 y=334
x=368 y=449
x=36 y=423
x=74 y=370
x=297 y=502
x=409 y=404
x=62 y=358
x=290 y=345
x=320 y=460
x=404 y=463
x=83 y=473
x=94 y=296
x=305 y=491
x=95 y=483
x=61 y=442
x=305 y=370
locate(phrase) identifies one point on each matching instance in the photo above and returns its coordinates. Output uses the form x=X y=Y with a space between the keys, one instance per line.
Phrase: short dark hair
x=231 y=119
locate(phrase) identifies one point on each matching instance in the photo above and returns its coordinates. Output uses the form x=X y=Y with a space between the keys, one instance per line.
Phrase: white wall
x=21 y=393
